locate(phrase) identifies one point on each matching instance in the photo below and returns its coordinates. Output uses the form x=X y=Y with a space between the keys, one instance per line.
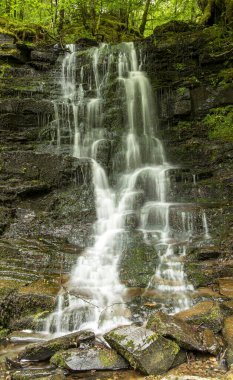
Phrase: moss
x=182 y=90
x=108 y=357
x=220 y=123
x=195 y=275
x=4 y=69
x=151 y=338
x=7 y=32
x=117 y=337
x=226 y=76
x=58 y=360
x=179 y=66
x=3 y=333
x=130 y=344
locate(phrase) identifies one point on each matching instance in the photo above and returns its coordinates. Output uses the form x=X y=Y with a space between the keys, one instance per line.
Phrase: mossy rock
x=206 y=314
x=44 y=351
x=186 y=336
x=138 y=261
x=97 y=358
x=144 y=349
x=172 y=26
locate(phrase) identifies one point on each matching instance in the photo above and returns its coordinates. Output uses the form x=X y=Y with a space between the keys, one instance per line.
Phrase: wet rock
x=205 y=98
x=228 y=336
x=185 y=336
x=206 y=272
x=171 y=26
x=44 y=351
x=14 y=305
x=227 y=308
x=206 y=314
x=131 y=221
x=103 y=153
x=138 y=261
x=226 y=287
x=203 y=253
x=143 y=349
x=98 y=358
x=52 y=170
x=26 y=337
x=44 y=56
x=86 y=42
x=43 y=374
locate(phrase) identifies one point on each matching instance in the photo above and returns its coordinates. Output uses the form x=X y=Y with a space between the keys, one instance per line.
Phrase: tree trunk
x=61 y=20
x=216 y=11
x=144 y=17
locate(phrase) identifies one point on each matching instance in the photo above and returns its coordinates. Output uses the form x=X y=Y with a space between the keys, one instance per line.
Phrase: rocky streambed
x=201 y=336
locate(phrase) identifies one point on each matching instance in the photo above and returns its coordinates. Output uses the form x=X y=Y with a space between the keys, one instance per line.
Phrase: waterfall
x=95 y=295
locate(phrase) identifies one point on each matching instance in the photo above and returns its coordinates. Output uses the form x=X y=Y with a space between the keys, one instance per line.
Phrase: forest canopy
x=88 y=18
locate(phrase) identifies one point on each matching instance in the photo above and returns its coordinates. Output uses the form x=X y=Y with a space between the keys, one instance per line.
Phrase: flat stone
x=26 y=337
x=44 y=373
x=186 y=336
x=205 y=314
x=97 y=358
x=145 y=350
x=226 y=286
x=44 y=351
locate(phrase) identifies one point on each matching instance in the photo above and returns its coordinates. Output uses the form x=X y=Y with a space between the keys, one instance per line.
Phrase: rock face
x=193 y=90
x=47 y=203
x=97 y=358
x=44 y=351
x=143 y=349
x=43 y=228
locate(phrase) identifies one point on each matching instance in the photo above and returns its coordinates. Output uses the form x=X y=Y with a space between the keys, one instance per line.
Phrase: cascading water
x=95 y=297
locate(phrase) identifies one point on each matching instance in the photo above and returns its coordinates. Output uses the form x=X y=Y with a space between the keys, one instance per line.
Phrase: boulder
x=98 y=358
x=145 y=350
x=44 y=351
x=206 y=314
x=186 y=336
x=228 y=336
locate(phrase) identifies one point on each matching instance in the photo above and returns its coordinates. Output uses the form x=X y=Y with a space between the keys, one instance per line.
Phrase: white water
x=94 y=297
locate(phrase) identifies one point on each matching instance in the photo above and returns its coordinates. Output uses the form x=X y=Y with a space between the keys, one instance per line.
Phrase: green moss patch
x=220 y=123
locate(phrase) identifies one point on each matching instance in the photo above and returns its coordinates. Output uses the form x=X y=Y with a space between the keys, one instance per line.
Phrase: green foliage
x=70 y=19
x=226 y=76
x=180 y=66
x=60 y=16
x=220 y=123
